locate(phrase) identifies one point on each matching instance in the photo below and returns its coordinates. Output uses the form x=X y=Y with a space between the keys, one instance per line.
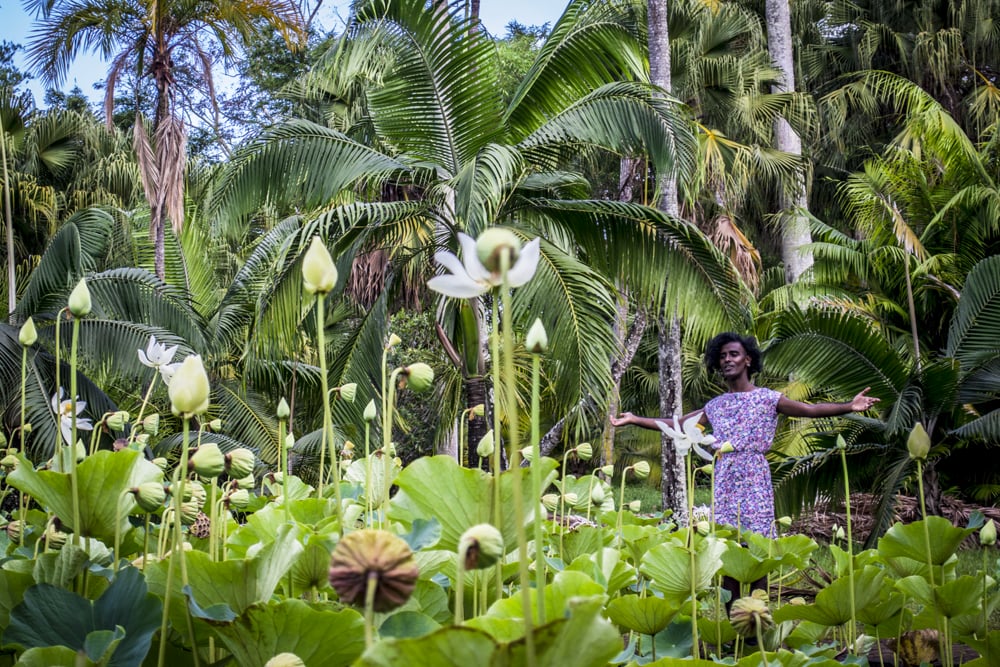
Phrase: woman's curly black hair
x=749 y=343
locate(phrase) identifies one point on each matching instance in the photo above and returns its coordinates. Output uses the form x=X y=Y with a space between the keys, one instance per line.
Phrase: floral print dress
x=743 y=493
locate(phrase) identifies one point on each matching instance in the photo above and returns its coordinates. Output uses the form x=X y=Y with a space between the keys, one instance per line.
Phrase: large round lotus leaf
x=913 y=540
x=669 y=566
x=833 y=603
x=645 y=615
x=743 y=566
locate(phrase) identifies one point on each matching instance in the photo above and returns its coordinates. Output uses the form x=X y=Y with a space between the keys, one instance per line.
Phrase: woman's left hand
x=862 y=401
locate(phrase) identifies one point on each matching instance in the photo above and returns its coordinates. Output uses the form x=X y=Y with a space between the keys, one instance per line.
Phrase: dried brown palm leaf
x=171 y=157
x=731 y=240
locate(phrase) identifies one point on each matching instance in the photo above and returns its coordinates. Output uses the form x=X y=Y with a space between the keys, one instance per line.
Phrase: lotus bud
x=480 y=546
x=349 y=391
x=276 y=477
x=142 y=440
x=708 y=469
x=319 y=273
x=726 y=448
x=247 y=482
x=398 y=462
x=150 y=496
x=161 y=463
x=370 y=412
x=798 y=601
x=837 y=533
x=393 y=341
x=81 y=451
x=419 y=377
x=537 y=341
x=238 y=499
x=116 y=420
x=54 y=538
x=26 y=428
x=703 y=528
x=584 y=451
x=918 y=443
x=283 y=410
x=8 y=462
x=208 y=460
x=477 y=411
x=215 y=425
x=151 y=423
x=988 y=534
x=79 y=300
x=240 y=462
x=748 y=614
x=597 y=495
x=189 y=388
x=550 y=501
x=492 y=242
x=15 y=531
x=373 y=554
x=608 y=470
x=285 y=660
x=571 y=498
x=485 y=447
x=289 y=441
x=641 y=469
x=785 y=521
x=635 y=506
x=841 y=443
x=28 y=334
x=527 y=453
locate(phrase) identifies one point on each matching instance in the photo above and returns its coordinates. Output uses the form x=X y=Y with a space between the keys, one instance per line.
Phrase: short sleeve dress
x=743 y=493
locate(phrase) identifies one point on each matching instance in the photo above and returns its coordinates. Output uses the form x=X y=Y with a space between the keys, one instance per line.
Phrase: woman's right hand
x=624 y=419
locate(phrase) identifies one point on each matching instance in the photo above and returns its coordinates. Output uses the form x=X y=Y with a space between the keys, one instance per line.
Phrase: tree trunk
x=475 y=394
x=673 y=485
x=795 y=232
x=9 y=225
x=607 y=454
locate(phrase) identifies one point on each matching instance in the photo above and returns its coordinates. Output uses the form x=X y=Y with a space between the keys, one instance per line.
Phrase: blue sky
x=88 y=69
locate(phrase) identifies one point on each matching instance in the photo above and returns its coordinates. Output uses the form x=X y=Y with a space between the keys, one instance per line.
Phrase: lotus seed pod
x=240 y=462
x=480 y=546
x=9 y=462
x=571 y=498
x=349 y=391
x=26 y=428
x=748 y=613
x=419 y=377
x=585 y=451
x=785 y=521
x=150 y=496
x=54 y=538
x=635 y=506
x=492 y=242
x=726 y=448
x=703 y=528
x=15 y=531
x=378 y=554
x=28 y=334
x=988 y=534
x=597 y=495
x=116 y=420
x=641 y=469
x=208 y=460
x=319 y=273
x=142 y=440
x=918 y=443
x=79 y=300
x=485 y=447
x=189 y=388
x=247 y=482
x=550 y=501
x=189 y=512
x=370 y=413
x=285 y=660
x=526 y=453
x=238 y=499
x=477 y=411
x=608 y=470
x=215 y=425
x=161 y=463
x=151 y=423
x=537 y=340
x=275 y=477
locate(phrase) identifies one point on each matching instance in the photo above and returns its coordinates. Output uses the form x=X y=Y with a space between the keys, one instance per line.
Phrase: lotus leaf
x=407 y=624
x=950 y=599
x=833 y=603
x=909 y=540
x=12 y=587
x=792 y=550
x=611 y=571
x=53 y=656
x=646 y=615
x=988 y=648
x=669 y=566
x=746 y=568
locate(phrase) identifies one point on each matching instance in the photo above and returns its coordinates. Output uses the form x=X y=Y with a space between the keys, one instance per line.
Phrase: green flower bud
x=142 y=440
x=370 y=412
x=151 y=423
x=398 y=462
x=393 y=341
x=477 y=411
x=585 y=451
x=8 y=462
x=419 y=377
x=189 y=389
x=150 y=496
x=537 y=341
x=485 y=447
x=81 y=451
x=785 y=521
x=492 y=242
x=597 y=495
x=238 y=499
x=116 y=420
x=635 y=506
x=708 y=469
x=571 y=498
x=208 y=460
x=289 y=441
x=319 y=273
x=161 y=462
x=285 y=660
x=26 y=428
x=28 y=334
x=550 y=501
x=726 y=448
x=841 y=443
x=240 y=462
x=215 y=425
x=608 y=470
x=988 y=534
x=526 y=453
x=641 y=469
x=918 y=443
x=480 y=546
x=79 y=300
x=283 y=410
x=349 y=391
x=703 y=528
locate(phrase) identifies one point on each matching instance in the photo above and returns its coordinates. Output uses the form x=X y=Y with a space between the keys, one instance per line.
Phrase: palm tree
x=441 y=139
x=152 y=38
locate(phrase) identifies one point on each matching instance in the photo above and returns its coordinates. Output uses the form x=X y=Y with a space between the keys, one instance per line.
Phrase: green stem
x=694 y=561
x=73 y=481
x=327 y=416
x=850 y=553
x=58 y=446
x=283 y=466
x=142 y=408
x=24 y=388
x=460 y=591
x=760 y=643
x=370 y=587
x=118 y=529
x=536 y=484
x=923 y=516
x=497 y=440
x=391 y=407
x=461 y=437
x=621 y=510
x=368 y=474
x=177 y=550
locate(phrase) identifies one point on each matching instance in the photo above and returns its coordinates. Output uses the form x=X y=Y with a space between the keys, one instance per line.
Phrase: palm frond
x=972 y=337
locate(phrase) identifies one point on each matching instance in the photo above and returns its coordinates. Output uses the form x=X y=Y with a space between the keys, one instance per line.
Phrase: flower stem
x=58 y=446
x=370 y=587
x=327 y=416
x=142 y=409
x=852 y=630
x=24 y=387
x=536 y=485
x=498 y=441
x=460 y=590
x=177 y=550
x=368 y=474
x=923 y=516
x=73 y=481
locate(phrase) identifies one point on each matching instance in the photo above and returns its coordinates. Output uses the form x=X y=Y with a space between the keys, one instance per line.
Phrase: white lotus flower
x=156 y=354
x=469 y=278
x=689 y=436
x=64 y=411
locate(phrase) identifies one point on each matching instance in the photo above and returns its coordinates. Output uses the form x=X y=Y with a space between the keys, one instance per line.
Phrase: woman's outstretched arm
x=629 y=419
x=859 y=403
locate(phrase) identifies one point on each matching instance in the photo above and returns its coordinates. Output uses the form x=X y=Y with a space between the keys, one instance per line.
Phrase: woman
x=746 y=416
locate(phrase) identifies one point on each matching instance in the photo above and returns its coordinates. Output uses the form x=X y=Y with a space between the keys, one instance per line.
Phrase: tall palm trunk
x=9 y=225
x=795 y=233
x=672 y=483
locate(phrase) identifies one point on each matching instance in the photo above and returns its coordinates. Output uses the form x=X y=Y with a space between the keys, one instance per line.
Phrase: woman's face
x=734 y=361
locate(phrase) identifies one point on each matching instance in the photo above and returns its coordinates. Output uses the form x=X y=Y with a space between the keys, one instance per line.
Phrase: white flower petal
x=672 y=433
x=461 y=287
x=470 y=258
x=168 y=354
x=702 y=453
x=526 y=265
x=449 y=261
x=67 y=431
x=691 y=429
x=167 y=372
x=80 y=406
x=145 y=360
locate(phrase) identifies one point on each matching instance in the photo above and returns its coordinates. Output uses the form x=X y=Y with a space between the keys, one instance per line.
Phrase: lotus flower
x=156 y=354
x=470 y=278
x=64 y=411
x=689 y=436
